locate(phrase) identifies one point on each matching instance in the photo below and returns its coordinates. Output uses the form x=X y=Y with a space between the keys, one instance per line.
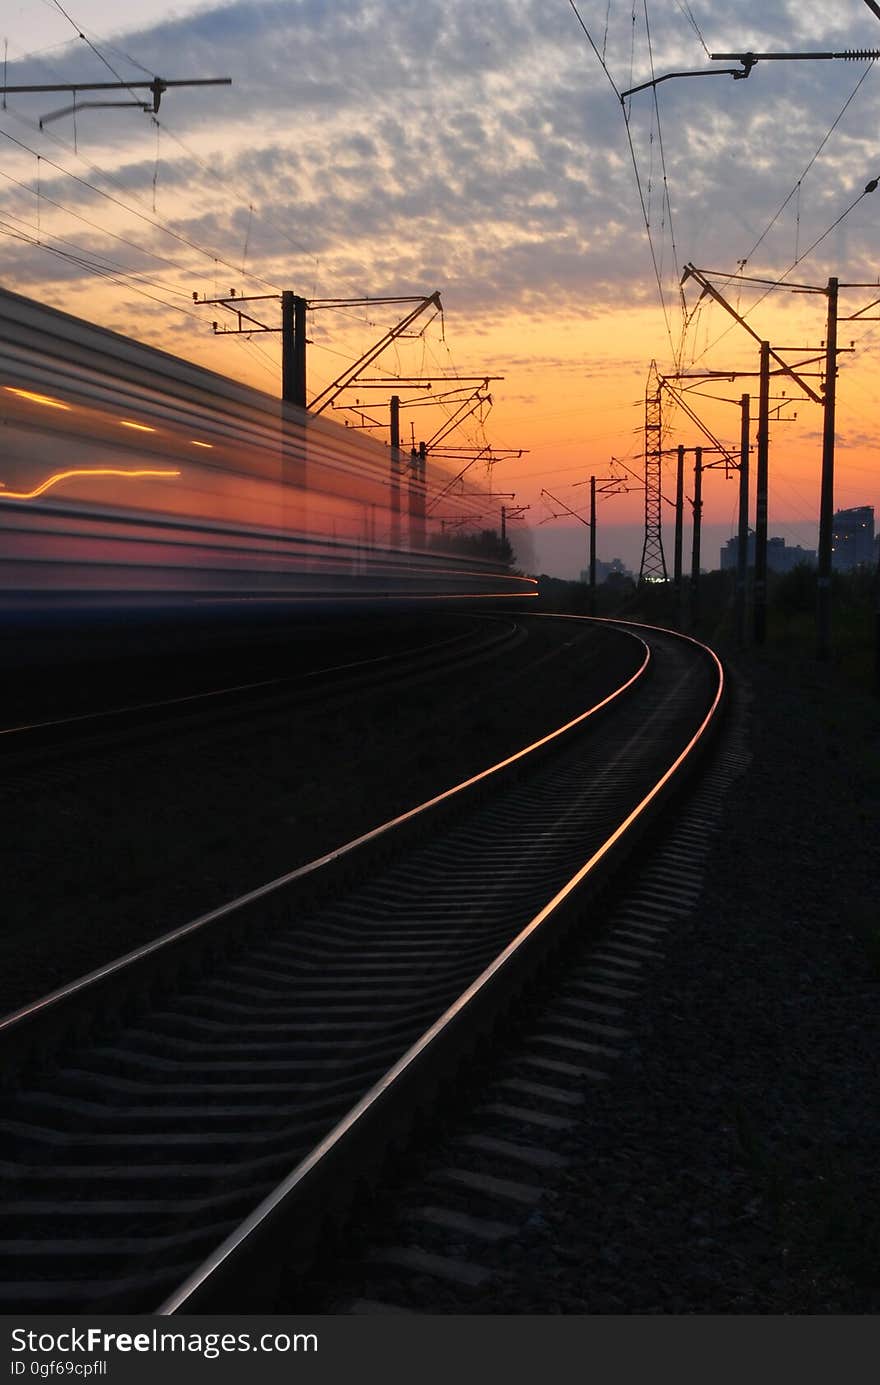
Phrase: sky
x=372 y=148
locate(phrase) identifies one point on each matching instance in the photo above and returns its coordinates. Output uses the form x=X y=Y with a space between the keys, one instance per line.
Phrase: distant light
x=141 y=427
x=195 y=442
x=37 y=398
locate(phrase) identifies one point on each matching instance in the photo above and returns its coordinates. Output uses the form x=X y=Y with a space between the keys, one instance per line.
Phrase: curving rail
x=229 y=1118
x=480 y=637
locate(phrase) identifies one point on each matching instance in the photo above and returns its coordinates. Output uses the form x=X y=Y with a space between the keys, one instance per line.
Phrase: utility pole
x=293 y=336
x=592 y=545
x=742 y=546
x=464 y=408
x=292 y=329
x=826 y=495
x=395 y=471
x=717 y=446
x=679 y=527
x=417 y=484
x=760 y=613
x=293 y=349
x=697 y=534
x=827 y=399
x=608 y=485
x=509 y=512
x=293 y=461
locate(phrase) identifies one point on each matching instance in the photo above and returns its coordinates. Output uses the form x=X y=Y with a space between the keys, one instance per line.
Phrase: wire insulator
x=861 y=55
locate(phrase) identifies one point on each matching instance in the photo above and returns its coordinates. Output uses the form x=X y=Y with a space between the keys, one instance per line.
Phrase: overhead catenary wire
x=678 y=355
x=155 y=222
x=662 y=152
x=92 y=262
x=96 y=263
x=645 y=215
x=799 y=256
x=105 y=231
x=122 y=278
x=780 y=281
x=797 y=186
x=689 y=15
x=44 y=240
x=98 y=54
x=104 y=174
x=161 y=125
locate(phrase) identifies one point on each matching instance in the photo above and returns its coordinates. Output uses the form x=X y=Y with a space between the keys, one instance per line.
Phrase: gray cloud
x=480 y=149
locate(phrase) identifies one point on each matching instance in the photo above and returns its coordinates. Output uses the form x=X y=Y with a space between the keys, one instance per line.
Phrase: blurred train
x=131 y=480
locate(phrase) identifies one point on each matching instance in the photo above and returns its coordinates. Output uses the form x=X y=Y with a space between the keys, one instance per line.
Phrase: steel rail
x=82 y=719
x=16 y=1023
x=154 y=1122
x=219 y=1280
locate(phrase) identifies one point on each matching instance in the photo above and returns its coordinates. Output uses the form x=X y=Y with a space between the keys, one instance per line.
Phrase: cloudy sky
x=478 y=147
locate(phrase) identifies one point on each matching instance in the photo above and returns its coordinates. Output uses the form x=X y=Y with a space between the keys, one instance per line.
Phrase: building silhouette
x=852 y=538
x=616 y=569
x=781 y=557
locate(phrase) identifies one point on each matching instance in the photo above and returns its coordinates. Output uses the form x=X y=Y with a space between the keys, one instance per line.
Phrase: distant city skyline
x=561 y=551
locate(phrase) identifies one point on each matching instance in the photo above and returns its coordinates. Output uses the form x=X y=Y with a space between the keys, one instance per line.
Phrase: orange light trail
x=60 y=476
x=37 y=398
x=141 y=427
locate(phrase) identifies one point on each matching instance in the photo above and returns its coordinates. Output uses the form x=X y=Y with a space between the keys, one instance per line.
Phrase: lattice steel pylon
x=653 y=568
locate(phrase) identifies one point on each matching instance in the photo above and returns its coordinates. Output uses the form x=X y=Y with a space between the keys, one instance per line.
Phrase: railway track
x=164 y=1101
x=458 y=1226
x=475 y=639
x=140 y=830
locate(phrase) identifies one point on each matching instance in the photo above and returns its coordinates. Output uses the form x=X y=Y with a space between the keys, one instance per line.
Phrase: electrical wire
x=645 y=216
x=599 y=56
x=100 y=264
x=796 y=189
x=94 y=257
x=123 y=280
x=217 y=178
x=163 y=125
x=155 y=222
x=777 y=283
x=689 y=15
x=102 y=173
x=662 y=154
x=160 y=125
x=799 y=257
x=77 y=216
x=98 y=54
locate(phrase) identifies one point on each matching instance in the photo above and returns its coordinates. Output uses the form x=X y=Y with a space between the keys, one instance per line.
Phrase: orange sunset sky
x=403 y=146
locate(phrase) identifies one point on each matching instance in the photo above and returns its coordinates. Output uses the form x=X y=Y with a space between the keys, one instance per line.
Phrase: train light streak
x=60 y=476
x=271 y=515
x=44 y=399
